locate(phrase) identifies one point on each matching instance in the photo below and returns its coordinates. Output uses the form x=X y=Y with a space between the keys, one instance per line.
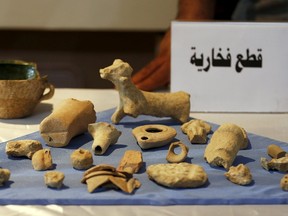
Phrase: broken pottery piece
x=239 y=175
x=172 y=157
x=42 y=160
x=275 y=151
x=4 y=176
x=68 y=120
x=20 y=148
x=225 y=143
x=131 y=162
x=154 y=135
x=196 y=130
x=134 y=102
x=54 y=179
x=280 y=164
x=177 y=175
x=284 y=183
x=81 y=159
x=104 y=135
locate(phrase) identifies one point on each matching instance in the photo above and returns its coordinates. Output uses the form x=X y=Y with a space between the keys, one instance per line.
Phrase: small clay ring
x=172 y=157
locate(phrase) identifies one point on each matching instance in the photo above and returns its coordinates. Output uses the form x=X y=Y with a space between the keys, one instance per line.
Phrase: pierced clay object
x=4 y=176
x=284 y=183
x=131 y=162
x=239 y=175
x=196 y=130
x=81 y=159
x=152 y=136
x=280 y=164
x=177 y=175
x=172 y=157
x=21 y=148
x=71 y=118
x=42 y=160
x=225 y=143
x=54 y=179
x=275 y=151
x=107 y=176
x=104 y=135
x=134 y=102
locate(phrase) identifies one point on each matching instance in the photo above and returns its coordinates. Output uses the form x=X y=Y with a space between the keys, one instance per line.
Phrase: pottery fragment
x=54 y=179
x=131 y=161
x=172 y=157
x=20 y=148
x=284 y=182
x=135 y=102
x=275 y=151
x=240 y=175
x=154 y=135
x=225 y=143
x=280 y=164
x=196 y=130
x=81 y=159
x=177 y=175
x=42 y=160
x=4 y=176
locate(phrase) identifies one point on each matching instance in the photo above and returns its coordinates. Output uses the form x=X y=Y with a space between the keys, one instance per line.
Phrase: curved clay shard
x=4 y=176
x=239 y=175
x=104 y=135
x=19 y=148
x=177 y=175
x=225 y=143
x=172 y=157
x=134 y=102
x=81 y=159
x=196 y=130
x=70 y=119
x=152 y=136
x=54 y=179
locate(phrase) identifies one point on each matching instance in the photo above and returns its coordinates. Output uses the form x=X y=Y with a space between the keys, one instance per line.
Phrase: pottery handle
x=50 y=93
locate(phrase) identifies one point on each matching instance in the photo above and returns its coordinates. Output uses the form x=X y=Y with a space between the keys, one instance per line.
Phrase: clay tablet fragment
x=154 y=135
x=225 y=143
x=19 y=148
x=239 y=175
x=180 y=175
x=131 y=162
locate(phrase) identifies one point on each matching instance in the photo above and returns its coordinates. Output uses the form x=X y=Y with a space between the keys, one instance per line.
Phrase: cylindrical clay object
x=225 y=143
x=68 y=120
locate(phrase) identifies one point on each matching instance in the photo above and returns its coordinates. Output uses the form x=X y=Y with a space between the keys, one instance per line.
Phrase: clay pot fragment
x=54 y=179
x=239 y=175
x=104 y=135
x=4 y=176
x=131 y=162
x=81 y=159
x=42 y=160
x=154 y=135
x=280 y=164
x=172 y=157
x=284 y=183
x=275 y=151
x=20 y=148
x=196 y=130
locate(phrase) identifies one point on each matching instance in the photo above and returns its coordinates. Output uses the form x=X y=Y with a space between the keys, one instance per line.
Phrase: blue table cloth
x=26 y=186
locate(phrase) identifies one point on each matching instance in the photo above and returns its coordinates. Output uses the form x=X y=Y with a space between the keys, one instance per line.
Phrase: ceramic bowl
x=21 y=88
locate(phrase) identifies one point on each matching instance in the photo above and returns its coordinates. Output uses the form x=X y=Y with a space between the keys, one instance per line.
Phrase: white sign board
x=231 y=66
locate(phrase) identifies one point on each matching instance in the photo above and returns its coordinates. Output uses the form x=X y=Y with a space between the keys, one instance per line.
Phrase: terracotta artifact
x=54 y=179
x=131 y=162
x=280 y=164
x=154 y=135
x=177 y=175
x=196 y=130
x=225 y=143
x=70 y=119
x=107 y=176
x=239 y=175
x=21 y=88
x=284 y=183
x=20 y=148
x=104 y=135
x=42 y=160
x=81 y=159
x=172 y=157
x=275 y=151
x=134 y=102
x=4 y=176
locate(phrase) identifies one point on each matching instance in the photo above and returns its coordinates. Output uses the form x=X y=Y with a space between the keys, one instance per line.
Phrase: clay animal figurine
x=134 y=102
